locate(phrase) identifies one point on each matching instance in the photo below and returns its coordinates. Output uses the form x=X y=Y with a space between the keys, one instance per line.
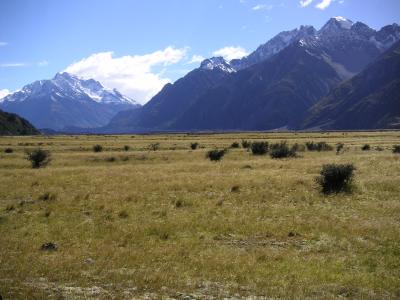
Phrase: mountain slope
x=66 y=101
x=12 y=124
x=270 y=95
x=370 y=100
x=348 y=46
x=174 y=99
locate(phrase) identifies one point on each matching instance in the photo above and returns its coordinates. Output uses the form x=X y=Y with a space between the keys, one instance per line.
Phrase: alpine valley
x=344 y=76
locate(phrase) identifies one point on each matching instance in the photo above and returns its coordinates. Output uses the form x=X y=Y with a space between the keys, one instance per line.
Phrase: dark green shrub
x=110 y=159
x=299 y=147
x=246 y=144
x=320 y=146
x=336 y=178
x=235 y=145
x=215 y=155
x=379 y=148
x=39 y=158
x=339 y=147
x=396 y=149
x=366 y=147
x=97 y=148
x=259 y=148
x=194 y=146
x=8 y=150
x=127 y=148
x=281 y=150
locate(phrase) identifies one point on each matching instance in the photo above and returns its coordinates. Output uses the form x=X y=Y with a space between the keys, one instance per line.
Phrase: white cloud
x=12 y=65
x=196 y=59
x=230 y=53
x=2 y=44
x=305 y=3
x=4 y=93
x=262 y=6
x=132 y=75
x=323 y=4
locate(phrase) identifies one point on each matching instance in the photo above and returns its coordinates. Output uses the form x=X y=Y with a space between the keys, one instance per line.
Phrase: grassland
x=169 y=223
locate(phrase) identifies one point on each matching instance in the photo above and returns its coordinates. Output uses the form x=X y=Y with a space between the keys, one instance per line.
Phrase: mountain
x=12 y=124
x=67 y=101
x=272 y=88
x=370 y=100
x=348 y=46
x=174 y=99
x=269 y=95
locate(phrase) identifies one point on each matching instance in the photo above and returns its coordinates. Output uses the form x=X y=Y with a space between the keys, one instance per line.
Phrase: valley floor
x=170 y=224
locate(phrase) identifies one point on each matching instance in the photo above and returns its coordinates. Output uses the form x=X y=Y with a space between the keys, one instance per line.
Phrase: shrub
x=282 y=150
x=320 y=146
x=396 y=149
x=235 y=145
x=8 y=150
x=246 y=144
x=127 y=148
x=339 y=147
x=336 y=178
x=154 y=147
x=379 y=148
x=97 y=148
x=39 y=158
x=299 y=147
x=194 y=146
x=259 y=148
x=366 y=147
x=215 y=155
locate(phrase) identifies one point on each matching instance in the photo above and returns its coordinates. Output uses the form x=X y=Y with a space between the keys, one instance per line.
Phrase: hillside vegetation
x=12 y=124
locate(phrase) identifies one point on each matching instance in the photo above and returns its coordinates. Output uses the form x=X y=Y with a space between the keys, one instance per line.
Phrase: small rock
x=49 y=247
x=89 y=261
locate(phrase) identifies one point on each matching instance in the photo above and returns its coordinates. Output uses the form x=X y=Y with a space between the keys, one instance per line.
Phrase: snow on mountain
x=337 y=32
x=65 y=85
x=67 y=101
x=217 y=63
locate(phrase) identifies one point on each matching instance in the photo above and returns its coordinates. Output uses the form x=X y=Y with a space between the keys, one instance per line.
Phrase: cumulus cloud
x=132 y=75
x=305 y=3
x=230 y=53
x=323 y=4
x=196 y=59
x=4 y=93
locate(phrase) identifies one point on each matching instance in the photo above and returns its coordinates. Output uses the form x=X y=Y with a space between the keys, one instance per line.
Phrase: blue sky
x=138 y=46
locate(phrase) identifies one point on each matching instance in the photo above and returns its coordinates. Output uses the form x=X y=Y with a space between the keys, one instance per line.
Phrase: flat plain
x=170 y=224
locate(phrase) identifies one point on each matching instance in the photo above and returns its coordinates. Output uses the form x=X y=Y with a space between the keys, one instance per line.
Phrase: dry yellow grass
x=167 y=223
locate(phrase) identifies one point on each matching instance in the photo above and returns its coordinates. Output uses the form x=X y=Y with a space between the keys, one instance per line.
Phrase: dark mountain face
x=66 y=101
x=174 y=99
x=370 y=100
x=273 y=94
x=12 y=124
x=272 y=88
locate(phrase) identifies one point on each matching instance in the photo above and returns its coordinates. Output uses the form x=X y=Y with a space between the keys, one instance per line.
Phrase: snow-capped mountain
x=271 y=88
x=67 y=101
x=339 y=37
x=274 y=46
x=217 y=63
